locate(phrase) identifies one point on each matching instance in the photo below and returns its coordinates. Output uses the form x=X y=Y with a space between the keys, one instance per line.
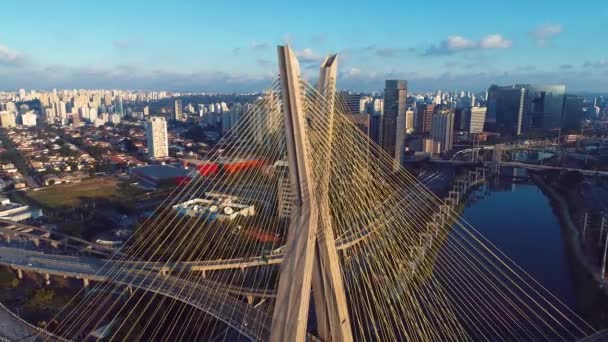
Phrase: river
x=517 y=217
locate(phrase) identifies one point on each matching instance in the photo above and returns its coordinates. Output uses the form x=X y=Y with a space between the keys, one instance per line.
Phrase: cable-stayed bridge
x=349 y=245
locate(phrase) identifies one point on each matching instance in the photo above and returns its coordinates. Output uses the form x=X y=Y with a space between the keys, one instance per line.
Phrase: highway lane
x=220 y=304
x=214 y=300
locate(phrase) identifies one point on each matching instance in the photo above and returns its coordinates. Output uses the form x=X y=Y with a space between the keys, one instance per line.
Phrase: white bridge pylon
x=311 y=260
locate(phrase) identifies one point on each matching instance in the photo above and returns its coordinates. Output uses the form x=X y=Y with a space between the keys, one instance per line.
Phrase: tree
x=571 y=178
x=130 y=146
x=7 y=277
x=196 y=133
x=42 y=298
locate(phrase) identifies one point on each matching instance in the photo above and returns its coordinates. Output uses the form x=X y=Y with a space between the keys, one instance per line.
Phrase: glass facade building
x=524 y=108
x=573 y=113
x=392 y=134
x=543 y=108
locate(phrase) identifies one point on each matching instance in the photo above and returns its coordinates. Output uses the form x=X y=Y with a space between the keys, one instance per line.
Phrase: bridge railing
x=30 y=326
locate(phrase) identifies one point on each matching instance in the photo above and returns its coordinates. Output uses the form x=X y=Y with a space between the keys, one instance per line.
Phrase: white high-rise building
x=477 y=119
x=115 y=118
x=61 y=111
x=156 y=134
x=409 y=121
x=22 y=94
x=50 y=115
x=29 y=119
x=178 y=115
x=92 y=115
x=378 y=106
x=7 y=119
x=442 y=130
x=231 y=117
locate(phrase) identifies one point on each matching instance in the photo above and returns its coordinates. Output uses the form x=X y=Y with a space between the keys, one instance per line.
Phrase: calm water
x=519 y=220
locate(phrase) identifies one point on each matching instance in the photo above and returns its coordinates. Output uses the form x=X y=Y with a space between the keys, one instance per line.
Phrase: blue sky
x=230 y=45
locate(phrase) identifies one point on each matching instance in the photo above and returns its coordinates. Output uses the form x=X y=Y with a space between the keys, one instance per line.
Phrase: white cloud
x=352 y=72
x=543 y=33
x=308 y=56
x=455 y=44
x=10 y=57
x=459 y=43
x=495 y=41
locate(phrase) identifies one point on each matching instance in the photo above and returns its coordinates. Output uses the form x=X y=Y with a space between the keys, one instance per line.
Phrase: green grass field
x=67 y=195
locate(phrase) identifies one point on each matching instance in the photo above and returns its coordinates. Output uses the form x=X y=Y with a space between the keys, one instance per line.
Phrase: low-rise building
x=16 y=211
x=215 y=206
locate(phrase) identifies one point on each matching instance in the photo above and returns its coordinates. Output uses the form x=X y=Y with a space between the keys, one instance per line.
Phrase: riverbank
x=592 y=296
x=563 y=212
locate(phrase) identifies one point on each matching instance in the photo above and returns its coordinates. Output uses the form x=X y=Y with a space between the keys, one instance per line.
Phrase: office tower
x=364 y=105
x=29 y=119
x=375 y=128
x=521 y=108
x=352 y=101
x=118 y=108
x=7 y=119
x=177 y=111
x=392 y=130
x=461 y=115
x=423 y=119
x=22 y=94
x=156 y=135
x=61 y=111
x=442 y=131
x=573 y=113
x=409 y=121
x=146 y=110
x=474 y=119
x=544 y=108
x=505 y=109
x=378 y=106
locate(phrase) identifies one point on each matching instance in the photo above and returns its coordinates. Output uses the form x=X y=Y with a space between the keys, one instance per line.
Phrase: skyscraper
x=29 y=119
x=474 y=119
x=352 y=101
x=375 y=128
x=521 y=108
x=442 y=131
x=392 y=130
x=573 y=113
x=544 y=107
x=118 y=107
x=423 y=120
x=177 y=111
x=409 y=121
x=156 y=135
x=7 y=119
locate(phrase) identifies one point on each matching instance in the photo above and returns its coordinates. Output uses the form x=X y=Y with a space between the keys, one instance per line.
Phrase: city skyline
x=192 y=47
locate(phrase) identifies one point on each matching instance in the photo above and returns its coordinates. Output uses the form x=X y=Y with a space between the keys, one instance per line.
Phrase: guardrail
x=30 y=326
